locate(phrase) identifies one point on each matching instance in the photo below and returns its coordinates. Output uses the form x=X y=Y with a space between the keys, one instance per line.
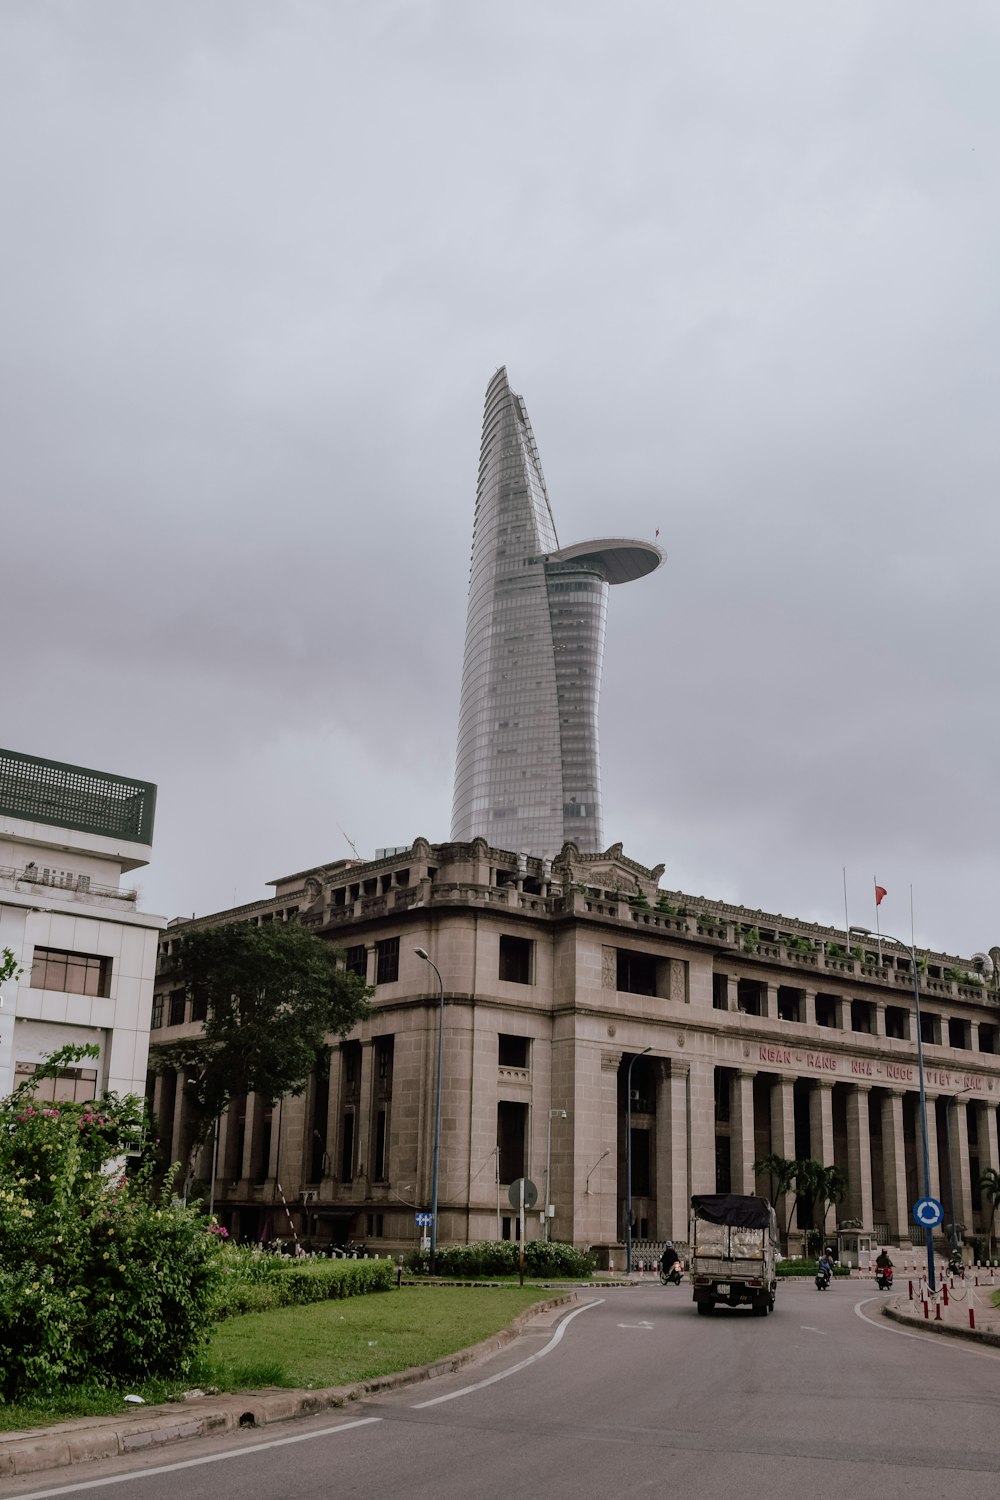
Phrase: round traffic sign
x=928 y=1212
x=530 y=1193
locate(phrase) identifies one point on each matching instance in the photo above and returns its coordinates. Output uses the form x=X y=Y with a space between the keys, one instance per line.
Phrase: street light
x=554 y=1114
x=594 y=1168
x=928 y=1230
x=628 y=1157
x=421 y=953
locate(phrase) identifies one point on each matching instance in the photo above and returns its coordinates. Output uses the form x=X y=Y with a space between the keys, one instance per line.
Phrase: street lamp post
x=421 y=953
x=628 y=1157
x=928 y=1230
x=554 y=1114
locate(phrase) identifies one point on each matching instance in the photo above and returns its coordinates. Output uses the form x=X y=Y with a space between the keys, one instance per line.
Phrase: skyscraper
x=527 y=774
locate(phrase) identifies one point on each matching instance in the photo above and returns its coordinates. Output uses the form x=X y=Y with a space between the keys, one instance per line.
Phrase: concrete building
x=67 y=836
x=527 y=773
x=746 y=1034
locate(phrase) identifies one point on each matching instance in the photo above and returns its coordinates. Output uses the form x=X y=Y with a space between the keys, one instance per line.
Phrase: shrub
x=501 y=1257
x=804 y=1267
x=100 y=1282
x=254 y=1281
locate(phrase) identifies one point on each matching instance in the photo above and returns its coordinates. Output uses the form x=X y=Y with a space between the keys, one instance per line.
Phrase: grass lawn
x=324 y=1343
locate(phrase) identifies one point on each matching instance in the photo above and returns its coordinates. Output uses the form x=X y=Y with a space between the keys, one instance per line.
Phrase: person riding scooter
x=956 y=1263
x=883 y=1271
x=670 y=1264
x=824 y=1271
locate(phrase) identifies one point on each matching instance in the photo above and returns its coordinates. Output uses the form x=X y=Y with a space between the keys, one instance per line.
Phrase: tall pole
x=420 y=952
x=628 y=1157
x=215 y=1165
x=925 y=1151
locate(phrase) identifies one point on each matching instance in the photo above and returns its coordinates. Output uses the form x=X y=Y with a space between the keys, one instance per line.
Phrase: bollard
x=926 y=1310
x=911 y=1291
x=944 y=1293
x=972 y=1317
x=937 y=1312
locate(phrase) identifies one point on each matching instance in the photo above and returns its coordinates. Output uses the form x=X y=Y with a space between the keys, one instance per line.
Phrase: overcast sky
x=260 y=260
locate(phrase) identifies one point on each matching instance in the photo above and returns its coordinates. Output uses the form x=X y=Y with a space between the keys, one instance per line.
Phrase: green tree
x=831 y=1188
x=271 y=996
x=782 y=1172
x=989 y=1186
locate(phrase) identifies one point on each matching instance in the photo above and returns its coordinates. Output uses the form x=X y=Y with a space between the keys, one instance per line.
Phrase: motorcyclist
x=669 y=1258
x=825 y=1266
x=883 y=1261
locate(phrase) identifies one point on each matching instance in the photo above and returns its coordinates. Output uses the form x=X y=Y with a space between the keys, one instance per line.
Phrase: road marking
x=194 y=1463
x=806 y=1328
x=636 y=1325
x=960 y=1346
x=492 y=1379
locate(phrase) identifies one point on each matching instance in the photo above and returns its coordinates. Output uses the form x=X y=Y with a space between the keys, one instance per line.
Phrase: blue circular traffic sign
x=928 y=1212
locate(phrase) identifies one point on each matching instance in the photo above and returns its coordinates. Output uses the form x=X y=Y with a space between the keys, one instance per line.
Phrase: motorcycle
x=956 y=1266
x=883 y=1278
x=671 y=1277
x=822 y=1280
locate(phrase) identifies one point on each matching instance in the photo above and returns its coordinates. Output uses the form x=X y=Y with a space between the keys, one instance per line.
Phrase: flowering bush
x=100 y=1282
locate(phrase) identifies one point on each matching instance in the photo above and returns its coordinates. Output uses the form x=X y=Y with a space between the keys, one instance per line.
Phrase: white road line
x=194 y=1463
x=960 y=1346
x=523 y=1365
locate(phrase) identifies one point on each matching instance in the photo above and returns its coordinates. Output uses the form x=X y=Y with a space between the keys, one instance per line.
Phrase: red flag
x=880 y=891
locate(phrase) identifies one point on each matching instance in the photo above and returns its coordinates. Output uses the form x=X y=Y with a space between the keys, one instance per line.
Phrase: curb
x=85 y=1439
x=948 y=1330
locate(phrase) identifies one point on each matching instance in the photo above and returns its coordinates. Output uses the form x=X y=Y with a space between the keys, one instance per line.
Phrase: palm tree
x=782 y=1171
x=831 y=1188
x=989 y=1186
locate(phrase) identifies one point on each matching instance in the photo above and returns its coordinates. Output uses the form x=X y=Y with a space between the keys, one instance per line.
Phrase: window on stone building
x=387 y=961
x=930 y=1028
x=516 y=954
x=69 y=1086
x=639 y=973
x=72 y=973
x=750 y=996
x=199 y=1008
x=862 y=1016
x=380 y=1144
x=897 y=1022
x=827 y=1010
x=512 y=1128
x=156 y=1015
x=513 y=1051
x=987 y=1038
x=791 y=1003
x=319 y=1116
x=178 y=1008
x=958 y=1033
x=356 y=960
x=720 y=991
x=641 y=1163
x=347 y=1146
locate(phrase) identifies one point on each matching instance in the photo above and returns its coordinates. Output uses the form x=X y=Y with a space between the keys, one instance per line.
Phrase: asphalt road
x=631 y=1394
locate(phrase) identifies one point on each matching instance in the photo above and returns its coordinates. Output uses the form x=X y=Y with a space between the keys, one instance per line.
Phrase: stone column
x=332 y=1173
x=879 y=1022
x=932 y=1151
x=741 y=1140
x=701 y=1127
x=894 y=1167
x=958 y=1167
x=821 y=1124
x=782 y=1133
x=809 y=1007
x=249 y=1130
x=733 y=991
x=770 y=1005
x=859 y=1156
x=273 y=1166
x=986 y=1130
x=177 y=1125
x=673 y=1139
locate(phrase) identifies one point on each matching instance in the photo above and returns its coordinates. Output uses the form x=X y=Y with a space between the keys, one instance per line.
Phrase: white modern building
x=87 y=956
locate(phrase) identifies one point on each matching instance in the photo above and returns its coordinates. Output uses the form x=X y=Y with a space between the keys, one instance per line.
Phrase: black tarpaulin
x=733 y=1209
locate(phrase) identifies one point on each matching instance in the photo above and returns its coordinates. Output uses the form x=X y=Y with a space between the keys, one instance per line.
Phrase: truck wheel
x=760 y=1307
x=704 y=1308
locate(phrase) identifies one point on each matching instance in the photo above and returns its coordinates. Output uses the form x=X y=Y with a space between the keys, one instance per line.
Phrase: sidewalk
x=89 y=1438
x=962 y=1307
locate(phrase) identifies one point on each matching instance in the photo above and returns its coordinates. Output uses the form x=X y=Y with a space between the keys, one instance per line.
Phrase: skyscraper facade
x=527 y=773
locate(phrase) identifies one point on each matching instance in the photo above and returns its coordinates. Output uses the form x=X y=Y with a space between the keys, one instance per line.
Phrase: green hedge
x=254 y=1281
x=806 y=1268
x=500 y=1258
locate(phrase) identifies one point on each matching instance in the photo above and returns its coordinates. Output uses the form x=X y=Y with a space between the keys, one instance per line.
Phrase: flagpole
x=847 y=925
x=878 y=932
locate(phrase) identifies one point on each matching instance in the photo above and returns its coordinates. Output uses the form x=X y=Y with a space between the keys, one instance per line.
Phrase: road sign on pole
x=424 y=1219
x=928 y=1212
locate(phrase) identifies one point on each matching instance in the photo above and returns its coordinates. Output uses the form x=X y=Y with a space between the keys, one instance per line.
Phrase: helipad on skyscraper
x=527 y=773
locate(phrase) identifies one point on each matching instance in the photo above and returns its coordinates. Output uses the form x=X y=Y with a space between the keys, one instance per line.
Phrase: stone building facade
x=578 y=985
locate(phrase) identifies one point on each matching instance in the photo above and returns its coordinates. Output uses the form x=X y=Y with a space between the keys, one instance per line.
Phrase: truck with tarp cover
x=734 y=1241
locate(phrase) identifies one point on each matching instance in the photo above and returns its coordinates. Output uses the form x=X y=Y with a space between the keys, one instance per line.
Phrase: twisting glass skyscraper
x=527 y=775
